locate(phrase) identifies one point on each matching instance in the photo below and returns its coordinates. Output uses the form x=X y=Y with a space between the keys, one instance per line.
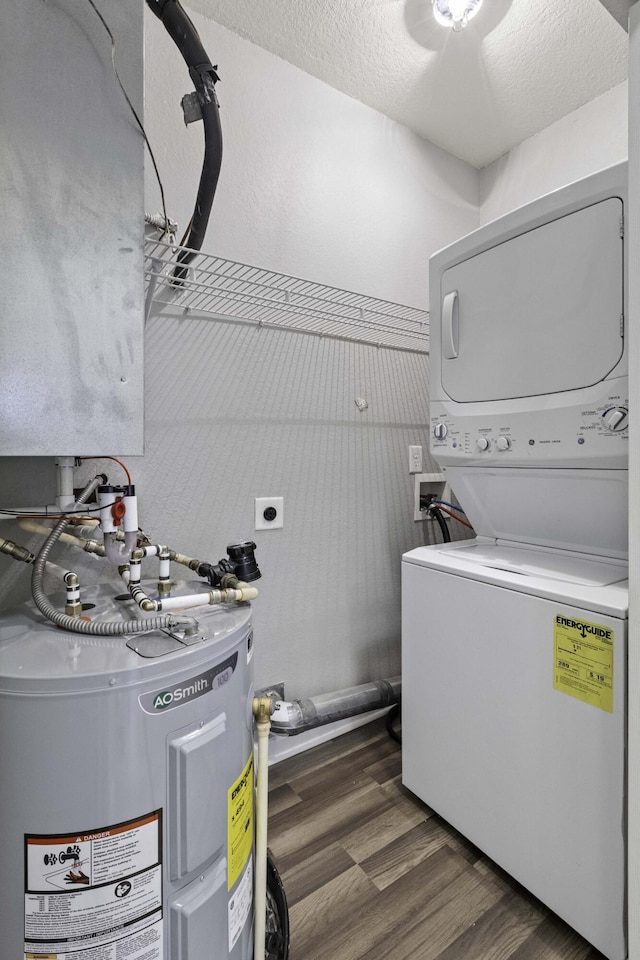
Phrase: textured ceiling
x=517 y=67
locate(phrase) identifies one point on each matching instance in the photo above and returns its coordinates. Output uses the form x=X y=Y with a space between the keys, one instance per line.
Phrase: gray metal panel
x=196 y=789
x=71 y=194
x=199 y=917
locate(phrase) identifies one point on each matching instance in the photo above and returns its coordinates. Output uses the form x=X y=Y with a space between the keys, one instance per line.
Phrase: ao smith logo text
x=167 y=697
x=585 y=628
x=178 y=694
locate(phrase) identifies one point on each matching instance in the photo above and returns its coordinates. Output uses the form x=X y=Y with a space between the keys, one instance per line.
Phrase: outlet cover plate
x=264 y=503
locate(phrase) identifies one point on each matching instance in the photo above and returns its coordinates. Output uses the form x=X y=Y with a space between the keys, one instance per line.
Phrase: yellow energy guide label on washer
x=240 y=822
x=583 y=665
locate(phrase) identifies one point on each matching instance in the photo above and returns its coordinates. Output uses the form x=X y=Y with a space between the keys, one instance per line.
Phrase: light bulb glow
x=455 y=13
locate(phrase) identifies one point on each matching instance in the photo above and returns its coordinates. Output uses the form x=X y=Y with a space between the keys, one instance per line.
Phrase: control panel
x=572 y=435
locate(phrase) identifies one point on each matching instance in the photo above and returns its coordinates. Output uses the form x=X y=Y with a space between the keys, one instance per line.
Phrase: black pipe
x=204 y=77
x=437 y=514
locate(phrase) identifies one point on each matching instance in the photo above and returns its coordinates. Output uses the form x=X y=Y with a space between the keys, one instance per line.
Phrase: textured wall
x=316 y=185
x=313 y=183
x=587 y=140
x=235 y=413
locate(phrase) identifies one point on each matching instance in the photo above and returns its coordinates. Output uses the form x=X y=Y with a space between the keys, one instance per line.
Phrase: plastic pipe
x=89 y=546
x=184 y=560
x=212 y=597
x=64 y=482
x=116 y=550
x=131 y=577
x=112 y=628
x=296 y=716
x=73 y=606
x=164 y=572
x=262 y=707
x=116 y=514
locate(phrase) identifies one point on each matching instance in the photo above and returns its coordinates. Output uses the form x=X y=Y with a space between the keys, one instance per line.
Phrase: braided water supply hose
x=111 y=628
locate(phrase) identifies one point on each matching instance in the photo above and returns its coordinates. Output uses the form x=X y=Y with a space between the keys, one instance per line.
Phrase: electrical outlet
x=415 y=459
x=429 y=483
x=269 y=513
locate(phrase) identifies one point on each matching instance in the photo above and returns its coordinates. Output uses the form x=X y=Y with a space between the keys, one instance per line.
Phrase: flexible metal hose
x=111 y=628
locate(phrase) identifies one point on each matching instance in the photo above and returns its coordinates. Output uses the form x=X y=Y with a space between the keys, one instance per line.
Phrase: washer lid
x=539 y=313
x=590 y=582
x=539 y=563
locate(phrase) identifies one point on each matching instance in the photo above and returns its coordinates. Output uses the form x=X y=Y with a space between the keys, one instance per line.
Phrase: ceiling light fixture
x=455 y=13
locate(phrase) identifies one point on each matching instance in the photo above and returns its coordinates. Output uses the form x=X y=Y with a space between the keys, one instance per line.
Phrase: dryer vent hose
x=297 y=716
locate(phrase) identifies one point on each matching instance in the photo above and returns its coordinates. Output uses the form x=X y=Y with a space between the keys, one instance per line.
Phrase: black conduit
x=204 y=77
x=435 y=512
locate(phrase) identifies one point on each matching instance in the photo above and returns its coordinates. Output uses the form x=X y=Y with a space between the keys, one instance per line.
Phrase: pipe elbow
x=262 y=708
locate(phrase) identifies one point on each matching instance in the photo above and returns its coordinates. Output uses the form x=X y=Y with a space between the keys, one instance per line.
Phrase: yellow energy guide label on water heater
x=240 y=822
x=583 y=665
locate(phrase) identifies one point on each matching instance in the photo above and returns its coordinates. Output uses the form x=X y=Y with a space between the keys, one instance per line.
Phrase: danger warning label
x=95 y=895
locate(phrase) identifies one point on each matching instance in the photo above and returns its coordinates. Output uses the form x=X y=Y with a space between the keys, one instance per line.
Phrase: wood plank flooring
x=371 y=873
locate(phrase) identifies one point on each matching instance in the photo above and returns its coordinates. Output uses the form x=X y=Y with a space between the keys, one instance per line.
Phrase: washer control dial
x=616 y=419
x=440 y=431
x=503 y=443
x=482 y=443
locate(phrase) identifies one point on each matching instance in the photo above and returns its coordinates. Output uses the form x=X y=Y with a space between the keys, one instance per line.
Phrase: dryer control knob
x=483 y=443
x=440 y=431
x=616 y=419
x=503 y=443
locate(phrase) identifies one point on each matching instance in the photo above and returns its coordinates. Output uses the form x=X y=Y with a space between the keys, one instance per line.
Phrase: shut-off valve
x=239 y=565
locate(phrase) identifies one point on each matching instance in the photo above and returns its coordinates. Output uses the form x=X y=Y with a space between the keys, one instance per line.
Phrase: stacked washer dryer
x=514 y=643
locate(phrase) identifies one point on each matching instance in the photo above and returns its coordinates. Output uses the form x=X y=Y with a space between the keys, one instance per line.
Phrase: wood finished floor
x=371 y=873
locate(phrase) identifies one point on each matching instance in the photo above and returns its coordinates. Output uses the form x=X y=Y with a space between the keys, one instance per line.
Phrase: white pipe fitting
x=65 y=498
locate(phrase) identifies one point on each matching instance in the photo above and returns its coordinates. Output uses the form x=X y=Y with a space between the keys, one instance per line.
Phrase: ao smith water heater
x=126 y=742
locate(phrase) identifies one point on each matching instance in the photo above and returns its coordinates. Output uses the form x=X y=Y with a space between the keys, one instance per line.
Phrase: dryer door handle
x=449 y=327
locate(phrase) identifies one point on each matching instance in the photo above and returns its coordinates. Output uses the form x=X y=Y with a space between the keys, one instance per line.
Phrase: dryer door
x=540 y=313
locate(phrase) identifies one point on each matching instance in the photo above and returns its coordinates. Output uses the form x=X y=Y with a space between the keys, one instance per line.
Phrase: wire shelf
x=236 y=292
